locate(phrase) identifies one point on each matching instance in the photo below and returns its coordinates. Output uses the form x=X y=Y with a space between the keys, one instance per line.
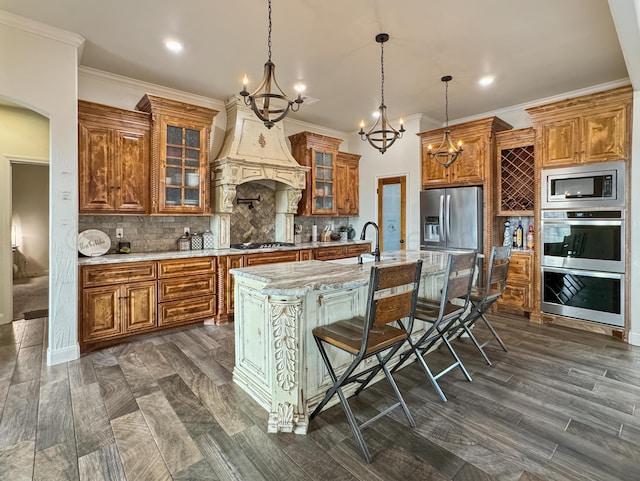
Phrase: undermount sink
x=354 y=260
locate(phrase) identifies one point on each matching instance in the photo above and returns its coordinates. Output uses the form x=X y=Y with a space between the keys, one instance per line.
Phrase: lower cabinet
x=340 y=252
x=117 y=300
x=518 y=294
x=124 y=299
x=186 y=290
x=120 y=300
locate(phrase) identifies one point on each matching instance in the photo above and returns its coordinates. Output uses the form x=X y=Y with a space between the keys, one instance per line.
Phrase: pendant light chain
x=446 y=104
x=268 y=101
x=382 y=71
x=269 y=40
x=382 y=135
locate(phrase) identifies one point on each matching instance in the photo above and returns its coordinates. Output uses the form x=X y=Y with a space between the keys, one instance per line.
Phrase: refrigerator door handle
x=441 y=219
x=448 y=218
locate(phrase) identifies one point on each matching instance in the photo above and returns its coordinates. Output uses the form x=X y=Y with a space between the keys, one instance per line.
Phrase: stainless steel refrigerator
x=451 y=218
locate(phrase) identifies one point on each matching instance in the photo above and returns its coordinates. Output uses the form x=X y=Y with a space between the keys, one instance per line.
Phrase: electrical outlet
x=186 y=230
x=119 y=232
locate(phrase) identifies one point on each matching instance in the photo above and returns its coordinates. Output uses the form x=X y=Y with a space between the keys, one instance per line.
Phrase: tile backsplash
x=145 y=233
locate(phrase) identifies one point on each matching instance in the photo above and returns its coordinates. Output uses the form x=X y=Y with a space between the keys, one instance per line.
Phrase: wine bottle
x=519 y=234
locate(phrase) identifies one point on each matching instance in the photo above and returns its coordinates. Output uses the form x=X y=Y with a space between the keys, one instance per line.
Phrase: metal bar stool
x=393 y=292
x=482 y=298
x=442 y=315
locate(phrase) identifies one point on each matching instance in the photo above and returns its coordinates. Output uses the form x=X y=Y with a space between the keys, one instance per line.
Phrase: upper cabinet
x=113 y=160
x=347 y=184
x=180 y=156
x=320 y=153
x=592 y=128
x=515 y=169
x=473 y=165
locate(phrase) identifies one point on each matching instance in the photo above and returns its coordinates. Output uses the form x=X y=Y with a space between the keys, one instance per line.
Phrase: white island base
x=276 y=307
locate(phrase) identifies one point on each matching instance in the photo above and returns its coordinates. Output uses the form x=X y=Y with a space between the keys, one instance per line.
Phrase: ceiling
x=534 y=49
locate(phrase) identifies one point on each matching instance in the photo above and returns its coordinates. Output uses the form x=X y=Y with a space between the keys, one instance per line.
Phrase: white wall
x=402 y=159
x=39 y=70
x=30 y=215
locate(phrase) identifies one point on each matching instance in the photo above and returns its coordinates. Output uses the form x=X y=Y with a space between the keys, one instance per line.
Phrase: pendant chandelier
x=447 y=153
x=382 y=135
x=270 y=104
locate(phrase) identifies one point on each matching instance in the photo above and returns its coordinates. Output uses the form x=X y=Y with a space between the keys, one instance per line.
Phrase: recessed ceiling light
x=173 y=45
x=486 y=81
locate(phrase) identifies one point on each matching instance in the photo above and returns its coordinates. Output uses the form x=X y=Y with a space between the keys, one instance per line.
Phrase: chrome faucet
x=376 y=251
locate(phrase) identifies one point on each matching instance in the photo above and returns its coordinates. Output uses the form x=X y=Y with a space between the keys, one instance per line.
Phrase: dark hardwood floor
x=560 y=405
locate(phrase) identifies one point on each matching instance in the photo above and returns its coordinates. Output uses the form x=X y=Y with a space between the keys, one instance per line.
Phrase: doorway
x=30 y=237
x=392 y=212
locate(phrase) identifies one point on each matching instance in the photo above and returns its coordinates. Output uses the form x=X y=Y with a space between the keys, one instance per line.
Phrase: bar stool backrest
x=497 y=272
x=386 y=306
x=459 y=280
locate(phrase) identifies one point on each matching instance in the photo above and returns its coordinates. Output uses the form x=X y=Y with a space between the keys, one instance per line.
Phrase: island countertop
x=298 y=278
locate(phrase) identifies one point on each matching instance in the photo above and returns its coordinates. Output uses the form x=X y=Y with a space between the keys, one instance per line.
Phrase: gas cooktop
x=261 y=245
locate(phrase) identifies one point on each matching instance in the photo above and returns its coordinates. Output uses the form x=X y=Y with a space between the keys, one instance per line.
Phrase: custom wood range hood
x=251 y=153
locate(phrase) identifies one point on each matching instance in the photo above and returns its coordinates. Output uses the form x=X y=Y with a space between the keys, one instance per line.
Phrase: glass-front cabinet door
x=183 y=174
x=323 y=182
x=179 y=156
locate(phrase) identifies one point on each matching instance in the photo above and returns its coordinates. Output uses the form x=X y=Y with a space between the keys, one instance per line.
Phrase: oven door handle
x=582 y=272
x=600 y=222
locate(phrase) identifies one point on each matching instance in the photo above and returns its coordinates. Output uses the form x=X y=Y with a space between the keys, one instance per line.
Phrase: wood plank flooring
x=559 y=405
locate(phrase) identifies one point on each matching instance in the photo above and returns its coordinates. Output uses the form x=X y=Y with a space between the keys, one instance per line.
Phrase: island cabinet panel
x=591 y=128
x=186 y=290
x=518 y=293
x=113 y=160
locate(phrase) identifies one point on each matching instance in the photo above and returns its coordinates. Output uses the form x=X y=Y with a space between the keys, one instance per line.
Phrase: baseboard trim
x=634 y=338
x=59 y=356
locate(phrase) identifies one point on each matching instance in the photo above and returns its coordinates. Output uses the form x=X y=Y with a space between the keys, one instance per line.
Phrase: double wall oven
x=583 y=243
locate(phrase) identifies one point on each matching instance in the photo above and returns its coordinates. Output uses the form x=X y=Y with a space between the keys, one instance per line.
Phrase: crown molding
x=155 y=89
x=43 y=30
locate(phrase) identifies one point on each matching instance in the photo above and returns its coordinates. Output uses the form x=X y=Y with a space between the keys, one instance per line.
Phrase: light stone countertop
x=154 y=256
x=298 y=278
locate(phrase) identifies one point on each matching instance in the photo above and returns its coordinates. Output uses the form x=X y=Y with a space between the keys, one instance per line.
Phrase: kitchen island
x=276 y=308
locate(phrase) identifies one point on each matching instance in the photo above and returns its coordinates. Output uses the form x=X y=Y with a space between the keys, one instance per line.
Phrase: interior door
x=392 y=212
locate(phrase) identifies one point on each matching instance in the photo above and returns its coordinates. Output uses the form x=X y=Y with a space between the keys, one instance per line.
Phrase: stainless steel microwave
x=580 y=187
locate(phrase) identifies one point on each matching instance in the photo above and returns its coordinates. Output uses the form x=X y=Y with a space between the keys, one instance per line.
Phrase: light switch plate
x=119 y=232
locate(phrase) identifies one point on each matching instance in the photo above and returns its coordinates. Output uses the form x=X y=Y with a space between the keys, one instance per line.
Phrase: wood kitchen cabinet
x=117 y=300
x=180 y=135
x=518 y=293
x=473 y=165
x=340 y=251
x=113 y=160
x=186 y=290
x=591 y=128
x=516 y=173
x=347 y=184
x=320 y=153
x=226 y=285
